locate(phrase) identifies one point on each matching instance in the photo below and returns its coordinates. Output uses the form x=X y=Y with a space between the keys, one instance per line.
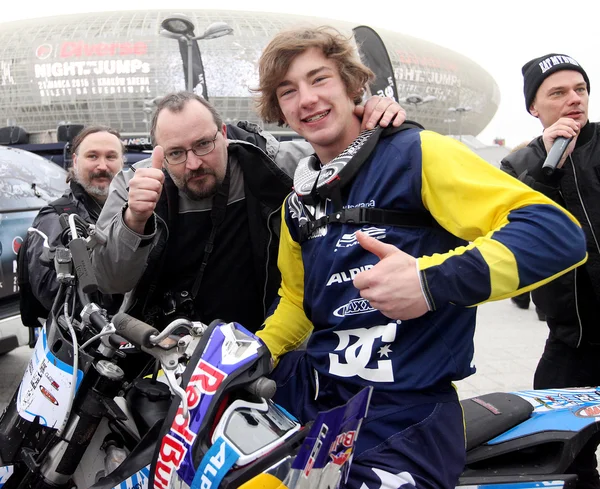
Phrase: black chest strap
x=368 y=215
x=217 y=216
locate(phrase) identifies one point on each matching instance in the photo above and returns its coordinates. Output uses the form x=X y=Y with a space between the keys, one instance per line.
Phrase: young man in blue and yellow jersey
x=387 y=244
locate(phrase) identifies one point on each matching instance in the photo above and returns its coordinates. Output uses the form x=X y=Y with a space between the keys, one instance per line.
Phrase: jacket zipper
x=278 y=209
x=583 y=206
x=595 y=241
x=264 y=300
x=577 y=311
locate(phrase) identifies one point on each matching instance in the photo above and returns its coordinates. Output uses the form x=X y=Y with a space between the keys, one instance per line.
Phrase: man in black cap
x=556 y=91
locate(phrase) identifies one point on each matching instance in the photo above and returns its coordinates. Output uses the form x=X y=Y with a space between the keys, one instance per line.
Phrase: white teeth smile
x=317 y=117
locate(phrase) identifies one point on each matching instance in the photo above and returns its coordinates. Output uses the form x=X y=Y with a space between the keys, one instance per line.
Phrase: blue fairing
x=555 y=410
x=557 y=484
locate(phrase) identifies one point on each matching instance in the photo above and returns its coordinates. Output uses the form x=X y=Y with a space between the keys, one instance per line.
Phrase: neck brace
x=313 y=182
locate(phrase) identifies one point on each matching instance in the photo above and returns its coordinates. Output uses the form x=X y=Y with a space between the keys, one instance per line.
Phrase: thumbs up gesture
x=393 y=285
x=144 y=191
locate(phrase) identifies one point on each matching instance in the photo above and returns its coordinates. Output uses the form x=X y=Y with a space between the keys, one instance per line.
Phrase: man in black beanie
x=556 y=90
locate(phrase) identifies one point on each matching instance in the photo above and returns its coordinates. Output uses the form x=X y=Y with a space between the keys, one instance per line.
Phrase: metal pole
x=190 y=75
x=460 y=126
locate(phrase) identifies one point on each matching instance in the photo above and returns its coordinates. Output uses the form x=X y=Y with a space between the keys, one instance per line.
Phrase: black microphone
x=555 y=155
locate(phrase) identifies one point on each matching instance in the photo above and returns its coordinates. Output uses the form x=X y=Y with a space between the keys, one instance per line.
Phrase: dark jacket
x=43 y=278
x=571 y=302
x=131 y=263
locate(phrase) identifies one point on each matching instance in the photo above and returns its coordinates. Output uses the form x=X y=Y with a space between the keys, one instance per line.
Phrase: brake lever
x=95 y=237
x=159 y=345
x=168 y=352
x=169 y=361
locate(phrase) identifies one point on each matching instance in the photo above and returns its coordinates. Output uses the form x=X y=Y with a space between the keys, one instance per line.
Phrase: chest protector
x=314 y=183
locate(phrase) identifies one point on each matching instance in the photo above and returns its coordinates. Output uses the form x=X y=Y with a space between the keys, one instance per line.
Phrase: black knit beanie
x=538 y=69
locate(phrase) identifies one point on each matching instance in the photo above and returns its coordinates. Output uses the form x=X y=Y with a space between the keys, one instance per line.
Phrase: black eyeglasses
x=200 y=148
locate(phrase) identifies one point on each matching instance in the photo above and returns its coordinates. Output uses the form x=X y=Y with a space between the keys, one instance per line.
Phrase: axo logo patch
x=354 y=307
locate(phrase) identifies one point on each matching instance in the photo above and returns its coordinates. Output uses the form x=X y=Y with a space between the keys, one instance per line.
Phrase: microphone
x=555 y=155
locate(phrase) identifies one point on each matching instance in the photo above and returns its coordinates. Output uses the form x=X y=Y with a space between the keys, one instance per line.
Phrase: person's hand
x=392 y=286
x=566 y=128
x=144 y=191
x=380 y=110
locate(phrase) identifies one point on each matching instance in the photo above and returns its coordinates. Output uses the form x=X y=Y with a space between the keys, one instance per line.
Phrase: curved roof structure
x=108 y=67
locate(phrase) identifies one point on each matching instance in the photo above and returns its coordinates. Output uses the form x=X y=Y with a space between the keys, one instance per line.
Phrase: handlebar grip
x=98 y=320
x=134 y=330
x=262 y=387
x=83 y=266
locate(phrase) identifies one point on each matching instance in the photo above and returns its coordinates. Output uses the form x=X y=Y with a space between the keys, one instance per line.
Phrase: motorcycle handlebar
x=134 y=330
x=83 y=266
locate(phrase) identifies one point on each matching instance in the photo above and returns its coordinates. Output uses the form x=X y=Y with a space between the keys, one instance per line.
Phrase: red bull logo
x=16 y=244
x=341 y=458
x=43 y=51
x=205 y=380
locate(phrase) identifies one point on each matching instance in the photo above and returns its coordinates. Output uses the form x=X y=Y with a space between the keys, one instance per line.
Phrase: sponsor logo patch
x=349 y=240
x=338 y=278
x=354 y=307
x=588 y=412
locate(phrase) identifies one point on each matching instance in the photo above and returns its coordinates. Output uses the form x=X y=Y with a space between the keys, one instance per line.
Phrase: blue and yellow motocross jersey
x=496 y=238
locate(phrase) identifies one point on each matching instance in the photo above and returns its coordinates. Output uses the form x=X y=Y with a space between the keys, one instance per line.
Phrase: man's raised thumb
x=158 y=156
x=378 y=248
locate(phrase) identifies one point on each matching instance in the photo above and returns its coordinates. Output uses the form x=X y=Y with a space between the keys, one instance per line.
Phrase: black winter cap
x=538 y=69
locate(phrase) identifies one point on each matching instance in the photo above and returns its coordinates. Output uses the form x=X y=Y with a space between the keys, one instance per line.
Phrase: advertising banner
x=78 y=68
x=374 y=54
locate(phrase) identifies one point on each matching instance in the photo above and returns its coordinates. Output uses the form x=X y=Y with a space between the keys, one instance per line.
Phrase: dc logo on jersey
x=354 y=307
x=349 y=240
x=358 y=357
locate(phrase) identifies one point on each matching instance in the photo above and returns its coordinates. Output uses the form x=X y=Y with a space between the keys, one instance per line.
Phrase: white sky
x=500 y=36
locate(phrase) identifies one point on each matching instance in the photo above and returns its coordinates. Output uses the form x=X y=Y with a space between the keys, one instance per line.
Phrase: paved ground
x=508 y=344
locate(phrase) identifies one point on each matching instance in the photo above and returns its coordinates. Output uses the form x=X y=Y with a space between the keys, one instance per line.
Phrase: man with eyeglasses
x=196 y=232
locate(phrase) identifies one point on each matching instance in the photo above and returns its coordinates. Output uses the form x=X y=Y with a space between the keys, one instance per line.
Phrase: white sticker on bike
x=357 y=351
x=46 y=386
x=5 y=473
x=139 y=480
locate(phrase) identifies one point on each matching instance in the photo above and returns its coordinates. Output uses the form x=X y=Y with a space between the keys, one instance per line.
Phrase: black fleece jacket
x=571 y=302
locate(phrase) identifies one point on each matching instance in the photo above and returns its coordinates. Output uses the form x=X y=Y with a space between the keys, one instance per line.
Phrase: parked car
x=27 y=183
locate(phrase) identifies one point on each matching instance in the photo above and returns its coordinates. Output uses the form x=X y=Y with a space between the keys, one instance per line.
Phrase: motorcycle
x=204 y=415
x=529 y=438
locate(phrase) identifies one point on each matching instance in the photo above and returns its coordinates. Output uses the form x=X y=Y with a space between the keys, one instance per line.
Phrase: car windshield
x=28 y=181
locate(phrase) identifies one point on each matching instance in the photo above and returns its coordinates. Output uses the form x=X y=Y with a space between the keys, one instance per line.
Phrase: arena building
x=108 y=67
